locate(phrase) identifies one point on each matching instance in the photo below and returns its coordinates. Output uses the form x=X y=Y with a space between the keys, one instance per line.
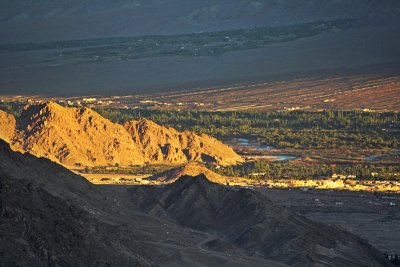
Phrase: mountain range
x=51 y=216
x=127 y=47
x=80 y=137
x=26 y=21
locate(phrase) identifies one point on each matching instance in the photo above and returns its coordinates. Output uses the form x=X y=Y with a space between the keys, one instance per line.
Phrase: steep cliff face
x=81 y=137
x=162 y=144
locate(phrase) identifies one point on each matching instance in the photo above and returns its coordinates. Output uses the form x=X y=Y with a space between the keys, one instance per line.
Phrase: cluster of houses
x=339 y=184
x=395 y=259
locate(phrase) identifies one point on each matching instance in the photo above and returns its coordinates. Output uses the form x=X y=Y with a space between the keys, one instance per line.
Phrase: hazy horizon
x=188 y=44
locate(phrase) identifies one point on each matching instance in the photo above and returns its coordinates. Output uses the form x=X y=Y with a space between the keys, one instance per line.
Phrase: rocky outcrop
x=7 y=126
x=74 y=137
x=162 y=144
x=81 y=137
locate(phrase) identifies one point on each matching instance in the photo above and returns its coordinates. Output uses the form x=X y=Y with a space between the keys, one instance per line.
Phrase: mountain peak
x=191 y=169
x=188 y=180
x=42 y=109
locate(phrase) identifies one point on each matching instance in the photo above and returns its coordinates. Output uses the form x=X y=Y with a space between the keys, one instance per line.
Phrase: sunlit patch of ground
x=115 y=178
x=340 y=183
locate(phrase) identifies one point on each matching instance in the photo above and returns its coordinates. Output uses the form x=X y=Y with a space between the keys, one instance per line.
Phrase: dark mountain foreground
x=50 y=216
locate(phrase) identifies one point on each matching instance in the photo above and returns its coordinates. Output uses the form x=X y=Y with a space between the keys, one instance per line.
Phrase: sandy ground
x=113 y=178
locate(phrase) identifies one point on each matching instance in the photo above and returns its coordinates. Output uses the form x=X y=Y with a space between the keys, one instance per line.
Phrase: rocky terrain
x=50 y=216
x=81 y=137
x=73 y=136
x=162 y=144
x=7 y=126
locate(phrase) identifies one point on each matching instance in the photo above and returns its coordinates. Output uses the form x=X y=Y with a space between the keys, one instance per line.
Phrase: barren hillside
x=74 y=136
x=7 y=126
x=162 y=144
x=81 y=137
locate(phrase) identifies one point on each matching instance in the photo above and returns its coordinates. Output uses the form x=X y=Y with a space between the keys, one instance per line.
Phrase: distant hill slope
x=195 y=169
x=162 y=144
x=50 y=216
x=25 y=20
x=190 y=169
x=245 y=219
x=81 y=137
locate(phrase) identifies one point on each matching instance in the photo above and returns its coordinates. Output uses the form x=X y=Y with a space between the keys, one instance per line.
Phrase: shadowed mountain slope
x=46 y=220
x=247 y=220
x=52 y=217
x=81 y=137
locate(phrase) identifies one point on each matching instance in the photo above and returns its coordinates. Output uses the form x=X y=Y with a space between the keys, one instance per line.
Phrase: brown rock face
x=74 y=136
x=165 y=144
x=7 y=126
x=81 y=137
